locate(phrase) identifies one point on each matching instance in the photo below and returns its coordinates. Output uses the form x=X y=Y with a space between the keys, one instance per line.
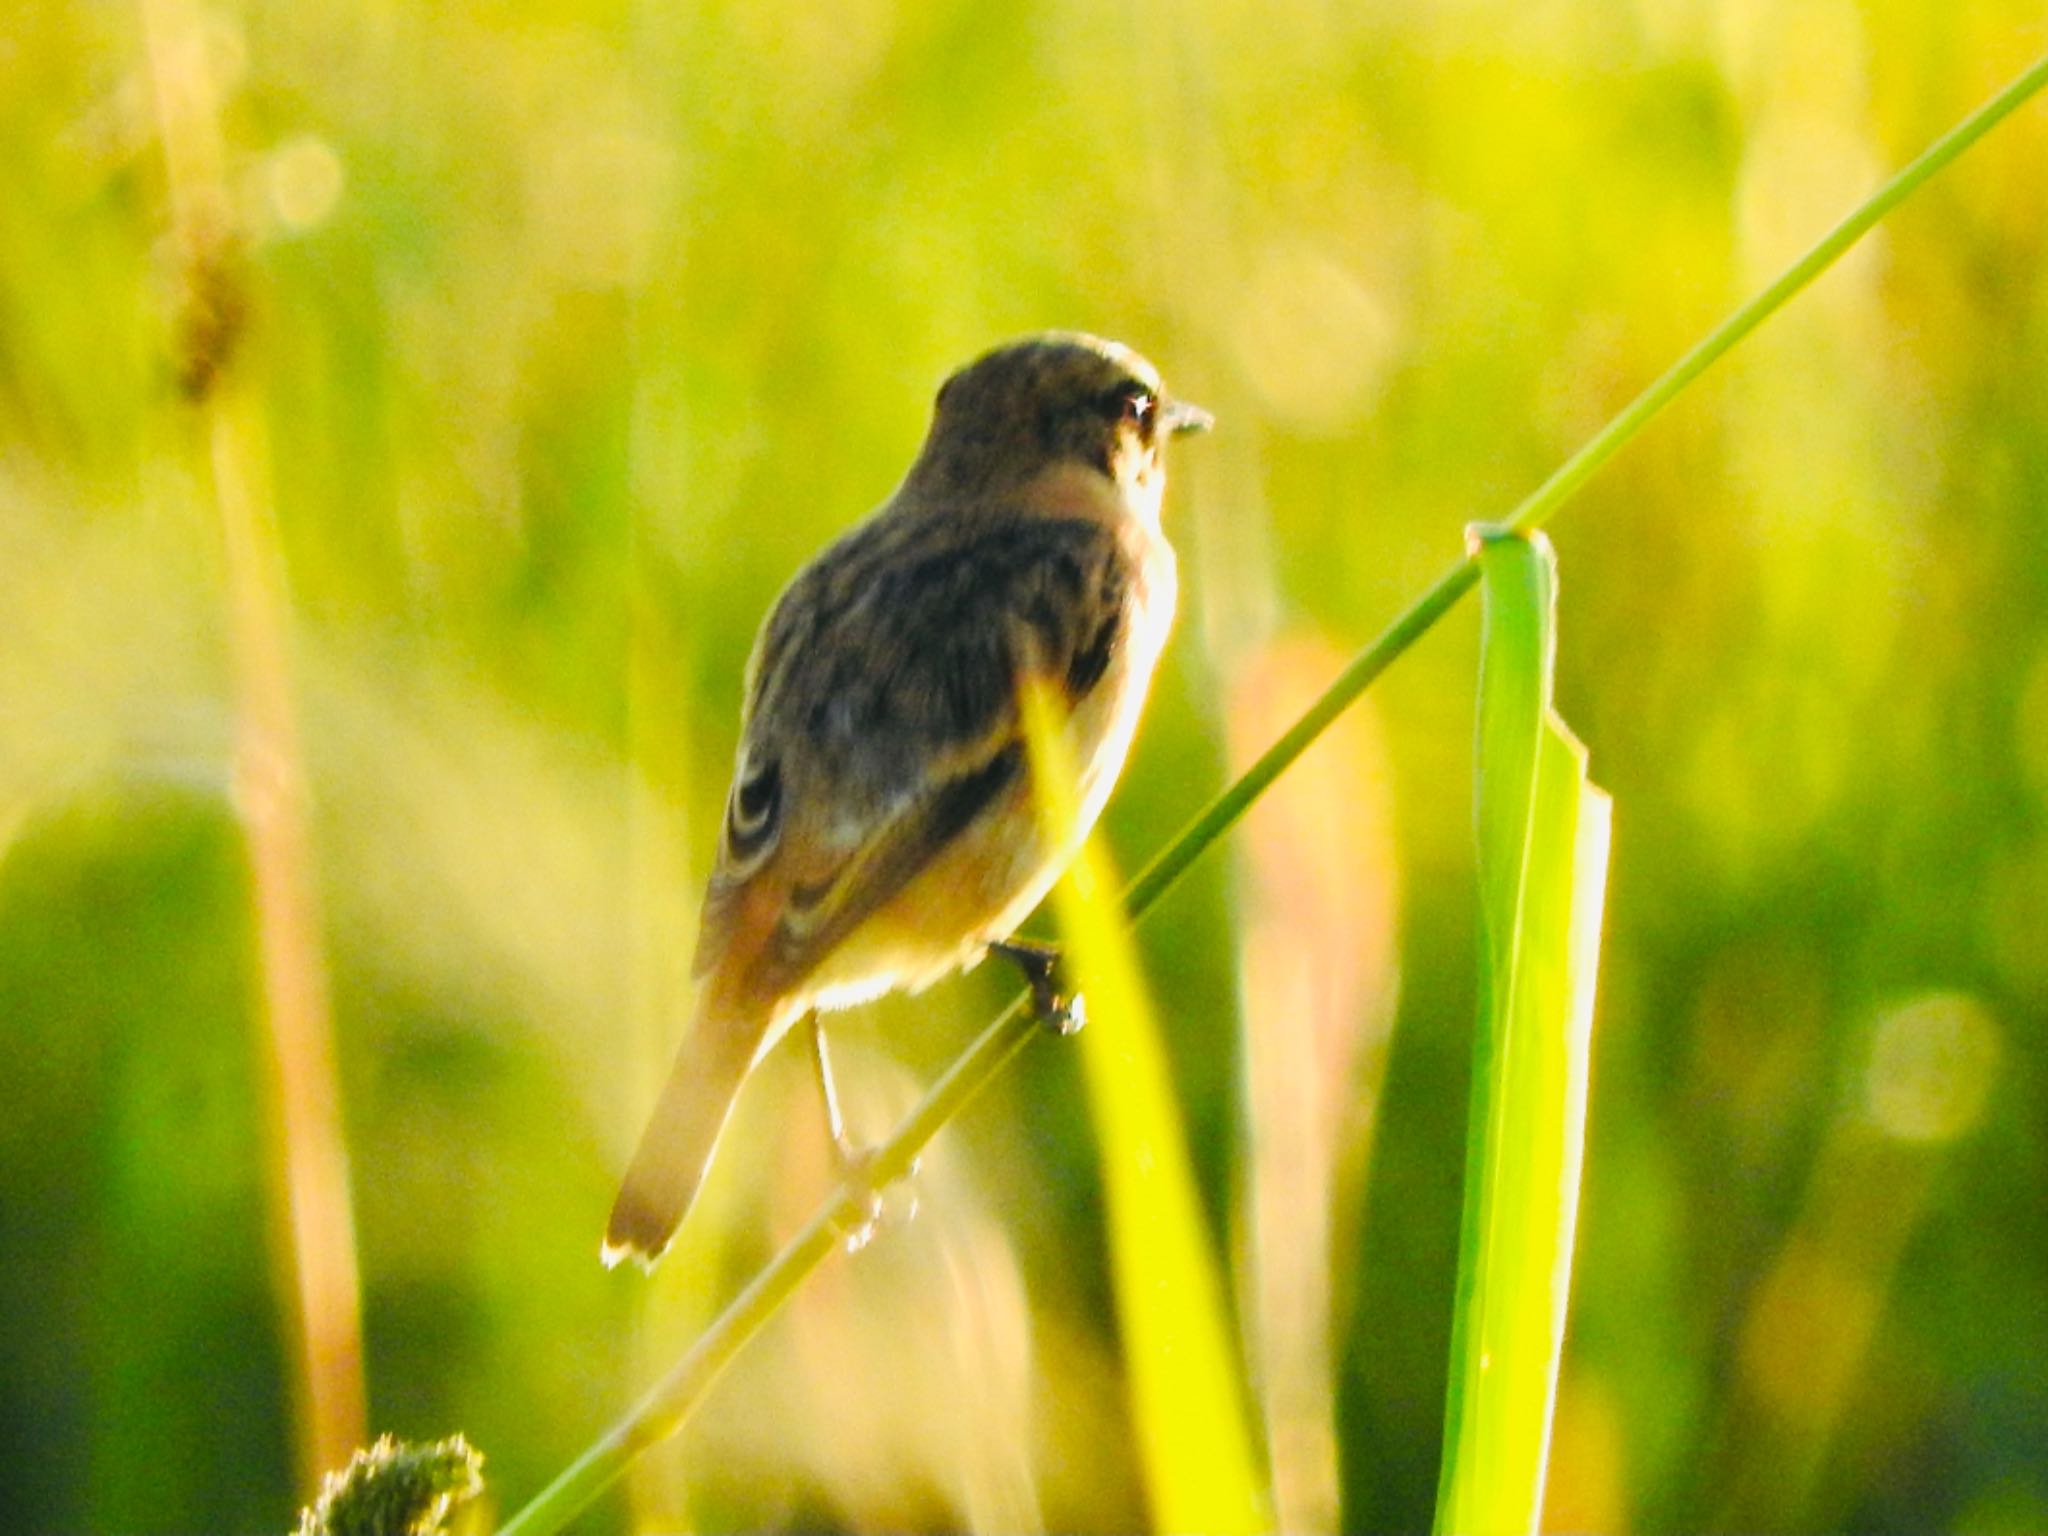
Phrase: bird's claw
x=859 y=1226
x=1059 y=1010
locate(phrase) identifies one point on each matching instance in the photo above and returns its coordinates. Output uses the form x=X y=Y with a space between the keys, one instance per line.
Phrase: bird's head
x=1056 y=397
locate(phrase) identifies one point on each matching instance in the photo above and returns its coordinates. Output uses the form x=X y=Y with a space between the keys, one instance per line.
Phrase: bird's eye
x=1130 y=405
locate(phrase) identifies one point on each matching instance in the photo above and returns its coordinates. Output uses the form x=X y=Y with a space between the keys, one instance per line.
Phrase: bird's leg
x=848 y=1154
x=1058 y=1009
x=852 y=1160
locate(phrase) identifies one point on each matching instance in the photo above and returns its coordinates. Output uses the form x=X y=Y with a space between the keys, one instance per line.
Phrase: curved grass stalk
x=664 y=1408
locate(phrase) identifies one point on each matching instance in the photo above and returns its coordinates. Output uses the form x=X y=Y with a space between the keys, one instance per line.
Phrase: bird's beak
x=1181 y=416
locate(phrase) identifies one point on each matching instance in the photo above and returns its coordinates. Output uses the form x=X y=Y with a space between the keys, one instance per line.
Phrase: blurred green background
x=573 y=329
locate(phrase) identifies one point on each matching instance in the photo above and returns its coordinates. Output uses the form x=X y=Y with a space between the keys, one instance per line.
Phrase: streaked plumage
x=879 y=832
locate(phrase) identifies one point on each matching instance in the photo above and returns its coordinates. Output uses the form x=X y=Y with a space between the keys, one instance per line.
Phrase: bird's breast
x=1106 y=718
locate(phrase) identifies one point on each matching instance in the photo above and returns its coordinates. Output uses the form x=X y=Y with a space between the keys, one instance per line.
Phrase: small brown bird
x=880 y=830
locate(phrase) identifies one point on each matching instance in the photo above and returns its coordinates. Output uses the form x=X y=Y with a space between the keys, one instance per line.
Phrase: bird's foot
x=855 y=1162
x=1058 y=1009
x=868 y=1210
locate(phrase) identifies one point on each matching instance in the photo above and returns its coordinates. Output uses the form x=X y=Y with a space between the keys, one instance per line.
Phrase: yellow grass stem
x=1188 y=1403
x=313 y=1250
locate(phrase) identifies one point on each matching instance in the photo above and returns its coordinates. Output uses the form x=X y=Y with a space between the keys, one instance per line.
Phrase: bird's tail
x=676 y=1148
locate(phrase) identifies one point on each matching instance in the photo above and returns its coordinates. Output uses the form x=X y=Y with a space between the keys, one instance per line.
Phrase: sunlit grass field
x=376 y=571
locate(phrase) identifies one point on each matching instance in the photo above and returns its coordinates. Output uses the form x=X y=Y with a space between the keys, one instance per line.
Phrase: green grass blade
x=1543 y=836
x=1188 y=1398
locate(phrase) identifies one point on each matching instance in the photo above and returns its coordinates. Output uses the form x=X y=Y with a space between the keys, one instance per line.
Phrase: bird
x=880 y=830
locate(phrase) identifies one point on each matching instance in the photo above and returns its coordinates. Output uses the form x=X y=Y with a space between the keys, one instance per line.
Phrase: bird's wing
x=882 y=718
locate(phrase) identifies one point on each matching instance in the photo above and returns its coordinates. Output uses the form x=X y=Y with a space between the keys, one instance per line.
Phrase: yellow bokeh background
x=553 y=337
